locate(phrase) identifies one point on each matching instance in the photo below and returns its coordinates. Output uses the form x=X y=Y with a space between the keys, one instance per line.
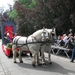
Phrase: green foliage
x=29 y=3
x=13 y=15
x=32 y=15
x=9 y=45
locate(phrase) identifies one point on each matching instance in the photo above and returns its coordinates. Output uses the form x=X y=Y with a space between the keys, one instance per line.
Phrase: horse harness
x=42 y=42
x=16 y=43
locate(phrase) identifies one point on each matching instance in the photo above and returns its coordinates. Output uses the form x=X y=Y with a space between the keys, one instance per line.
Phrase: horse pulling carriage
x=39 y=39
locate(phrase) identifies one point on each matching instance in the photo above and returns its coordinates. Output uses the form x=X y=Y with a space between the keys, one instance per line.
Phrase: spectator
x=66 y=41
x=69 y=41
x=73 y=51
x=70 y=31
x=62 y=37
x=60 y=41
x=65 y=38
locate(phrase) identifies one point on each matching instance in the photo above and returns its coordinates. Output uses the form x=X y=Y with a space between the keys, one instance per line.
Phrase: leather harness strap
x=17 y=41
x=27 y=43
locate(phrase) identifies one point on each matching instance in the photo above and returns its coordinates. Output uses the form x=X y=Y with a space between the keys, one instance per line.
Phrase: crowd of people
x=67 y=41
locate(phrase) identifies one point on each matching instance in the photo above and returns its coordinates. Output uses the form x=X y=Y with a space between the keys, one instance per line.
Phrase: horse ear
x=43 y=28
x=53 y=28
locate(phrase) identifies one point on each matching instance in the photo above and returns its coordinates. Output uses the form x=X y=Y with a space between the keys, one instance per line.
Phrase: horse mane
x=37 y=33
x=49 y=30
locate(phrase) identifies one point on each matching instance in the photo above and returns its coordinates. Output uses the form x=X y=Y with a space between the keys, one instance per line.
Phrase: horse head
x=40 y=35
x=49 y=34
x=45 y=35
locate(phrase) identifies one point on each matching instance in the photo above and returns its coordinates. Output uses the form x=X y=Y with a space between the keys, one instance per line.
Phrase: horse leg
x=20 y=57
x=14 y=53
x=49 y=55
x=34 y=59
x=42 y=55
x=43 y=58
x=30 y=54
x=37 y=58
x=38 y=62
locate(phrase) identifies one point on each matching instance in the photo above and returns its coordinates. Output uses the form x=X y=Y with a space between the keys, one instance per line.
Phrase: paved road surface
x=60 y=66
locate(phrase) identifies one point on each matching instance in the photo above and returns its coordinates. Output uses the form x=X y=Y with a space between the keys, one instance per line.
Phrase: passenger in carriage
x=14 y=35
x=5 y=39
x=8 y=38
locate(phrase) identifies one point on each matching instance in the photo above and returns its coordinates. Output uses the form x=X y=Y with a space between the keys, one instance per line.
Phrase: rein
x=34 y=41
x=43 y=42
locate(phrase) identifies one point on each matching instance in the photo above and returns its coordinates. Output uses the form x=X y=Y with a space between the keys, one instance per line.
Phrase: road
x=59 y=66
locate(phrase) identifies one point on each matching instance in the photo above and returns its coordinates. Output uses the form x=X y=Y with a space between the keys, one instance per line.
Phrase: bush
x=9 y=45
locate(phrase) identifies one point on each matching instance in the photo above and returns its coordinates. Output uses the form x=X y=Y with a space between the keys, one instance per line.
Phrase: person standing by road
x=73 y=51
x=71 y=32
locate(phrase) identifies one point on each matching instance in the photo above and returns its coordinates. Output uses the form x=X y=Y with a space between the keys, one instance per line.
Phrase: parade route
x=60 y=66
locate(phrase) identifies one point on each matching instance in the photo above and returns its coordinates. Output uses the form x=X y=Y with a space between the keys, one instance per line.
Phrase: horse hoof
x=44 y=63
x=33 y=65
x=21 y=61
x=50 y=62
x=15 y=62
x=40 y=64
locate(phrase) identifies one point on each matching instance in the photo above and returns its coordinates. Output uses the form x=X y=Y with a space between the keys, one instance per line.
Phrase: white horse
x=32 y=42
x=47 y=45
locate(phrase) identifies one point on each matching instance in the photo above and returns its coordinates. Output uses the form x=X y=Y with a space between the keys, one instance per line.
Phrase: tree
x=25 y=19
x=34 y=14
x=13 y=15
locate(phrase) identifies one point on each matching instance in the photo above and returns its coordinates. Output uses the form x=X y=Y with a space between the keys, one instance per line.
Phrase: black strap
x=27 y=43
x=16 y=42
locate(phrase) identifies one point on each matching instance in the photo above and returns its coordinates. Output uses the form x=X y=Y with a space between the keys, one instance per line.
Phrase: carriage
x=7 y=28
